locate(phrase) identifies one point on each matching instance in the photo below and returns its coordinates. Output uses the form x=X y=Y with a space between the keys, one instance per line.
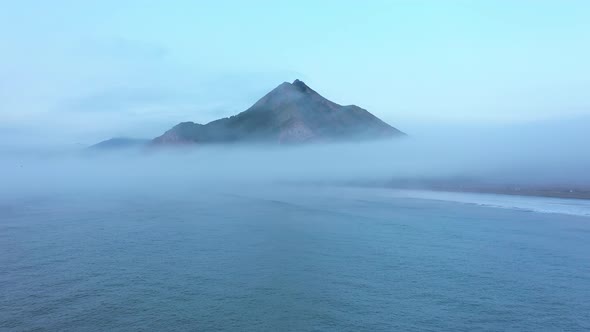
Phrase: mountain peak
x=291 y=112
x=301 y=86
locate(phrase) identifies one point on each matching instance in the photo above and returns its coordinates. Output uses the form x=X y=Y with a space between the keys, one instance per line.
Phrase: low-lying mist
x=505 y=158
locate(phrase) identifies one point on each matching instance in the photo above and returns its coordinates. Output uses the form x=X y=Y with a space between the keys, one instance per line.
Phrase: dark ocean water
x=301 y=259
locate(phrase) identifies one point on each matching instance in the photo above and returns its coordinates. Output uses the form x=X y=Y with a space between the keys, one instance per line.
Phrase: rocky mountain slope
x=290 y=113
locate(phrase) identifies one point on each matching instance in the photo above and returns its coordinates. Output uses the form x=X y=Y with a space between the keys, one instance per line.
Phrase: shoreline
x=531 y=203
x=547 y=193
x=566 y=191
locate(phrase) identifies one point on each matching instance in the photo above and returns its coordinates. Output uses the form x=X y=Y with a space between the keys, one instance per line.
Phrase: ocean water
x=289 y=259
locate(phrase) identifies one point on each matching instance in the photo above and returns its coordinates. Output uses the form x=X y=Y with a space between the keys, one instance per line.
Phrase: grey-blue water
x=299 y=259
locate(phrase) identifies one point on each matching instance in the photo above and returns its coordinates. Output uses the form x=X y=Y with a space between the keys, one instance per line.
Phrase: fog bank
x=519 y=157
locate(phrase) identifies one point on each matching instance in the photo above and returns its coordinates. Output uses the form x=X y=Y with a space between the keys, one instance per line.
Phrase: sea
x=293 y=258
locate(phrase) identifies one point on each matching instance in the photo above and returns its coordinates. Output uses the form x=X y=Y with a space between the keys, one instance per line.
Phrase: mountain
x=119 y=143
x=291 y=113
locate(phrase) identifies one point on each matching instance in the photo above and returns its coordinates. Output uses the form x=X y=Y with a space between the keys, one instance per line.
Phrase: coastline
x=526 y=192
x=566 y=191
x=531 y=203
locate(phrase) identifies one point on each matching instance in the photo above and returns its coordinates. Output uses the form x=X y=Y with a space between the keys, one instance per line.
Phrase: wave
x=576 y=207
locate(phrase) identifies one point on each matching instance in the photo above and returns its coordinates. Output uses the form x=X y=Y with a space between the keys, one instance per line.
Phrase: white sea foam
x=577 y=207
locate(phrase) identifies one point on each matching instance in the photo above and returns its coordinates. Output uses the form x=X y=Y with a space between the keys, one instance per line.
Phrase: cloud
x=534 y=155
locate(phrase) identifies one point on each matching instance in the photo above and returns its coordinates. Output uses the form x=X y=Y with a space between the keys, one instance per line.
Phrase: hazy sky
x=81 y=71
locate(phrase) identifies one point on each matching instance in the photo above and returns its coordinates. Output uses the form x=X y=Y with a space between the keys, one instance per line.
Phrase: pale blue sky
x=82 y=71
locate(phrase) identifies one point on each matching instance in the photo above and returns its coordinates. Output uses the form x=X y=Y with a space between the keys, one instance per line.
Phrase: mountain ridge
x=119 y=143
x=290 y=113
